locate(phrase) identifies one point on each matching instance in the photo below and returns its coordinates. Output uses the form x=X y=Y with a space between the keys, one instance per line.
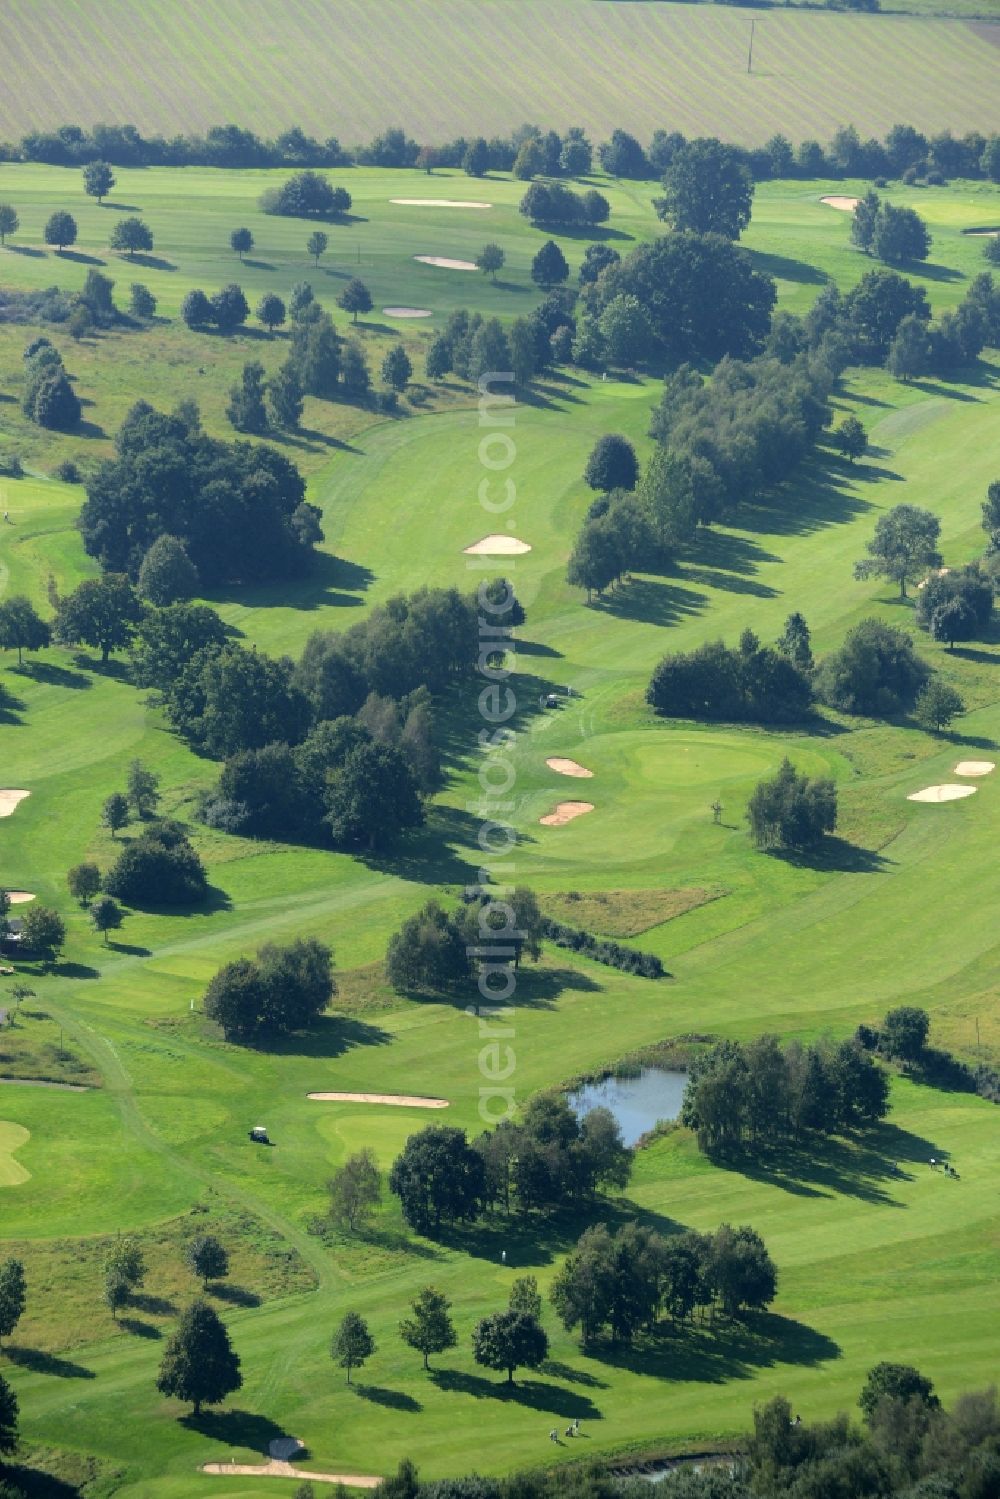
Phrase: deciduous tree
x=199 y=1364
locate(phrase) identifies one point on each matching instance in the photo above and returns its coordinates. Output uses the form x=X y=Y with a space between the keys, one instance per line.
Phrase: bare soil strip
x=401 y=1100
x=947 y=793
x=565 y=812
x=568 y=767
x=276 y=1469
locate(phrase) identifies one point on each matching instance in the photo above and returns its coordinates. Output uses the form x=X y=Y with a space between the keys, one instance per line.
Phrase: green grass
x=467 y=68
x=872 y=1265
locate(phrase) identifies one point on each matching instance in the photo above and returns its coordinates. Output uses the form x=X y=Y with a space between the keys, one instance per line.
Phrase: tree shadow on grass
x=398 y=1240
x=653 y=601
x=237 y=1428
x=559 y=1370
x=130 y=949
x=40 y=1362
x=29 y=250
x=151 y=262
x=234 y=1295
x=786 y=269
x=836 y=855
x=394 y=1400
x=526 y=1391
x=715 y=1352
x=80 y=256
x=329 y=582
x=860 y=1166
x=54 y=676
x=33 y=1483
x=156 y=1306
x=332 y=1036
x=138 y=1328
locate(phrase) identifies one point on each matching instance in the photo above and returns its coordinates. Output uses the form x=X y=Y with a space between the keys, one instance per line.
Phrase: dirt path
x=276 y=1469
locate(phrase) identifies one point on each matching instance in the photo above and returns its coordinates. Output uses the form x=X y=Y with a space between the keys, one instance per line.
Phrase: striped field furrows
x=444 y=67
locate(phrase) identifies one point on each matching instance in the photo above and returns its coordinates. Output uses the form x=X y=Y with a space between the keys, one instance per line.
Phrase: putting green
x=12 y=1137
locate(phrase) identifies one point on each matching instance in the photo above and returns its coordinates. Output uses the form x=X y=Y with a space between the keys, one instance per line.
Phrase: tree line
x=904 y=152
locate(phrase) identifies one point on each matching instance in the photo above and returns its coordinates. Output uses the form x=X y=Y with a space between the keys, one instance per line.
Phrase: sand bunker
x=9 y=800
x=449 y=265
x=967 y=768
x=439 y=203
x=947 y=793
x=12 y=1137
x=565 y=812
x=406 y=311
x=497 y=546
x=19 y=897
x=277 y=1469
x=402 y=1100
x=846 y=205
x=568 y=767
x=977 y=232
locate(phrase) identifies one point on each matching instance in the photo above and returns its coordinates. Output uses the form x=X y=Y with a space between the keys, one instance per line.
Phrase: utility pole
x=753 y=23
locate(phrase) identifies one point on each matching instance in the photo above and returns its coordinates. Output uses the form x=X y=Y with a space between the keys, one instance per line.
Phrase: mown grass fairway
x=469 y=68
x=873 y=1264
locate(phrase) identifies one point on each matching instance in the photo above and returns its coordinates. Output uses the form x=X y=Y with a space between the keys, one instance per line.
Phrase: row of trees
x=528 y=151
x=754 y=683
x=889 y=233
x=763 y=1094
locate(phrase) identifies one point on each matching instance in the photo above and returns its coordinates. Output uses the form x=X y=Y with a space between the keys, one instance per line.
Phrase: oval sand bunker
x=846 y=205
x=565 y=812
x=9 y=800
x=568 y=767
x=448 y=265
x=438 y=203
x=947 y=793
x=964 y=768
x=401 y=1100
x=497 y=546
x=19 y=897
x=406 y=311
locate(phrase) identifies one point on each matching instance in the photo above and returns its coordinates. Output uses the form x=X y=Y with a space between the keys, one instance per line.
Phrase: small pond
x=638 y=1103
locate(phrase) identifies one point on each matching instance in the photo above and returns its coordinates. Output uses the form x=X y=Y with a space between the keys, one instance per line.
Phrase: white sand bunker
x=401 y=1100
x=449 y=265
x=278 y=1469
x=9 y=800
x=21 y=897
x=568 y=767
x=947 y=793
x=439 y=203
x=406 y=311
x=963 y=768
x=977 y=233
x=565 y=812
x=846 y=205
x=497 y=546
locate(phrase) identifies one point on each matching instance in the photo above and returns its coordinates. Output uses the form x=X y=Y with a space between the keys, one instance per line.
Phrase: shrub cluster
x=49 y=399
x=754 y=683
x=284 y=989
x=604 y=950
x=792 y=810
x=306 y=195
x=555 y=203
x=239 y=509
x=876 y=671
x=621 y=1284
x=763 y=1093
x=159 y=867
